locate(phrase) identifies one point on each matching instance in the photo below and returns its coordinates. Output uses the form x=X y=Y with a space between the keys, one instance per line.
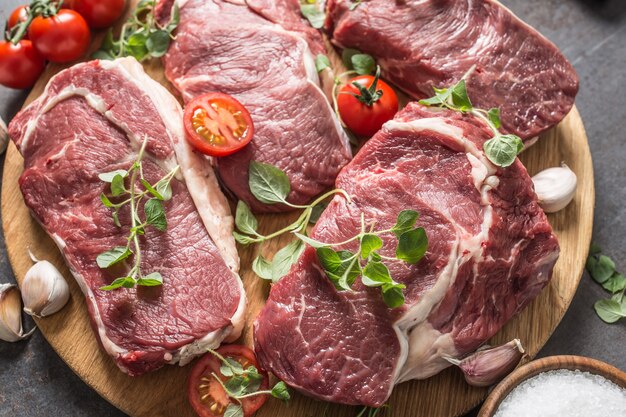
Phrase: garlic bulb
x=487 y=366
x=44 y=290
x=555 y=188
x=11 y=314
x=4 y=136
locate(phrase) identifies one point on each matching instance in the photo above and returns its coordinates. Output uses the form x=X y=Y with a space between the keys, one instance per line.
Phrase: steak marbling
x=227 y=47
x=91 y=119
x=491 y=251
x=421 y=44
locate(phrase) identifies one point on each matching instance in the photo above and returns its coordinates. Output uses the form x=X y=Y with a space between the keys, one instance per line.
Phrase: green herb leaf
x=244 y=219
x=370 y=243
x=126 y=282
x=151 y=190
x=494 y=117
x=164 y=188
x=363 y=64
x=310 y=241
x=594 y=249
x=157 y=43
x=108 y=176
x=243 y=239
x=601 y=269
x=502 y=150
x=615 y=284
x=281 y=392
x=136 y=45
x=281 y=264
x=313 y=14
x=346 y=57
x=609 y=311
x=459 y=97
x=412 y=245
x=155 y=214
x=233 y=410
x=342 y=267
x=116 y=219
x=105 y=200
x=405 y=222
x=151 y=280
x=263 y=268
x=376 y=274
x=113 y=256
x=231 y=367
x=268 y=183
x=117 y=186
x=316 y=212
x=321 y=62
x=392 y=295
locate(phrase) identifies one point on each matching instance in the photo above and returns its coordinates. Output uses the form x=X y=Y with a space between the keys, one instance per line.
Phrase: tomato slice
x=217 y=124
x=207 y=396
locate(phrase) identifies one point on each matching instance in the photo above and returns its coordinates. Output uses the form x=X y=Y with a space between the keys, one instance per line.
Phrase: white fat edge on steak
x=185 y=354
x=423 y=347
x=199 y=176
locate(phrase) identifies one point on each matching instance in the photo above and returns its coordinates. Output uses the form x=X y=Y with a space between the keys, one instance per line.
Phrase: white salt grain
x=565 y=393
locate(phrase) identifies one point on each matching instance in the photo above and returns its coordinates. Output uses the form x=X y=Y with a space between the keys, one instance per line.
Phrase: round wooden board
x=163 y=393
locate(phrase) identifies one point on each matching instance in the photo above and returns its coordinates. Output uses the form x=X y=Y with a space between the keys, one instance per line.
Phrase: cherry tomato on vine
x=20 y=14
x=366 y=104
x=99 y=13
x=20 y=64
x=63 y=37
x=217 y=124
x=206 y=395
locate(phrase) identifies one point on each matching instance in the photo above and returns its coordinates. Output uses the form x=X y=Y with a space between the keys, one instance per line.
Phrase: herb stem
x=230 y=394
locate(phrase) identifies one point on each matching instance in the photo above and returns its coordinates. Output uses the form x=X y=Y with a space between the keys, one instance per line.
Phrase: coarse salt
x=565 y=393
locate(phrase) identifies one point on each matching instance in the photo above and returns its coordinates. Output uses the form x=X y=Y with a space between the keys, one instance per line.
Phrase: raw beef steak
x=421 y=44
x=227 y=47
x=491 y=251
x=91 y=119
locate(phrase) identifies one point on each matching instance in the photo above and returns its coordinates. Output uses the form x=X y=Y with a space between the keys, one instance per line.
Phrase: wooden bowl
x=550 y=363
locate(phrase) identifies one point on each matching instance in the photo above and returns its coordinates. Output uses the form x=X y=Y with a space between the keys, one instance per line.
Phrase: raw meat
x=424 y=43
x=491 y=251
x=92 y=118
x=227 y=47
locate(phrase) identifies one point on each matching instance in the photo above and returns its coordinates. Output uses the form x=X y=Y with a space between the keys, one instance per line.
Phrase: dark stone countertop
x=35 y=382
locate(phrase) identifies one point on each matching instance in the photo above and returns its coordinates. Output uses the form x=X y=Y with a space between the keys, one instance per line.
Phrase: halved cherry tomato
x=99 y=13
x=218 y=125
x=20 y=65
x=366 y=115
x=206 y=395
x=18 y=15
x=63 y=37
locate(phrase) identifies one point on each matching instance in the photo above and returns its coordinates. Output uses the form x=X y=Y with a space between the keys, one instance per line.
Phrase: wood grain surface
x=163 y=393
x=550 y=363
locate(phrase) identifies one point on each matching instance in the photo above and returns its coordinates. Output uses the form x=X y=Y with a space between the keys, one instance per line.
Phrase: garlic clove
x=11 y=314
x=555 y=188
x=44 y=290
x=488 y=366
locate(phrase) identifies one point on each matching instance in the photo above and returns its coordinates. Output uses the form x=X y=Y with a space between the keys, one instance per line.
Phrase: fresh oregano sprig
x=313 y=13
x=602 y=270
x=141 y=36
x=154 y=215
x=270 y=185
x=243 y=383
x=501 y=149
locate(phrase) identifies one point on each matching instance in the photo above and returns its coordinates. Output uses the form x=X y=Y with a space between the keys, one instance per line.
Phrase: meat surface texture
x=266 y=61
x=491 y=251
x=421 y=44
x=93 y=118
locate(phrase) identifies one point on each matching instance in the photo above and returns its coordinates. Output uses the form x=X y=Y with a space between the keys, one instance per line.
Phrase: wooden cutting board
x=163 y=393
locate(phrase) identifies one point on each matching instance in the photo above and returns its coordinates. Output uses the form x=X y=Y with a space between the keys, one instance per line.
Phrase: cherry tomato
x=18 y=15
x=218 y=125
x=20 y=65
x=99 y=13
x=61 y=38
x=366 y=118
x=206 y=395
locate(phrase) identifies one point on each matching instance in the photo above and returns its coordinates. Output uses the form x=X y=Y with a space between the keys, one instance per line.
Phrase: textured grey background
x=35 y=382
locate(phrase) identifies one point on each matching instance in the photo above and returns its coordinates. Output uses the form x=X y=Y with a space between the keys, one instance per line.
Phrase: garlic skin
x=488 y=366
x=555 y=188
x=11 y=314
x=44 y=290
x=4 y=136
